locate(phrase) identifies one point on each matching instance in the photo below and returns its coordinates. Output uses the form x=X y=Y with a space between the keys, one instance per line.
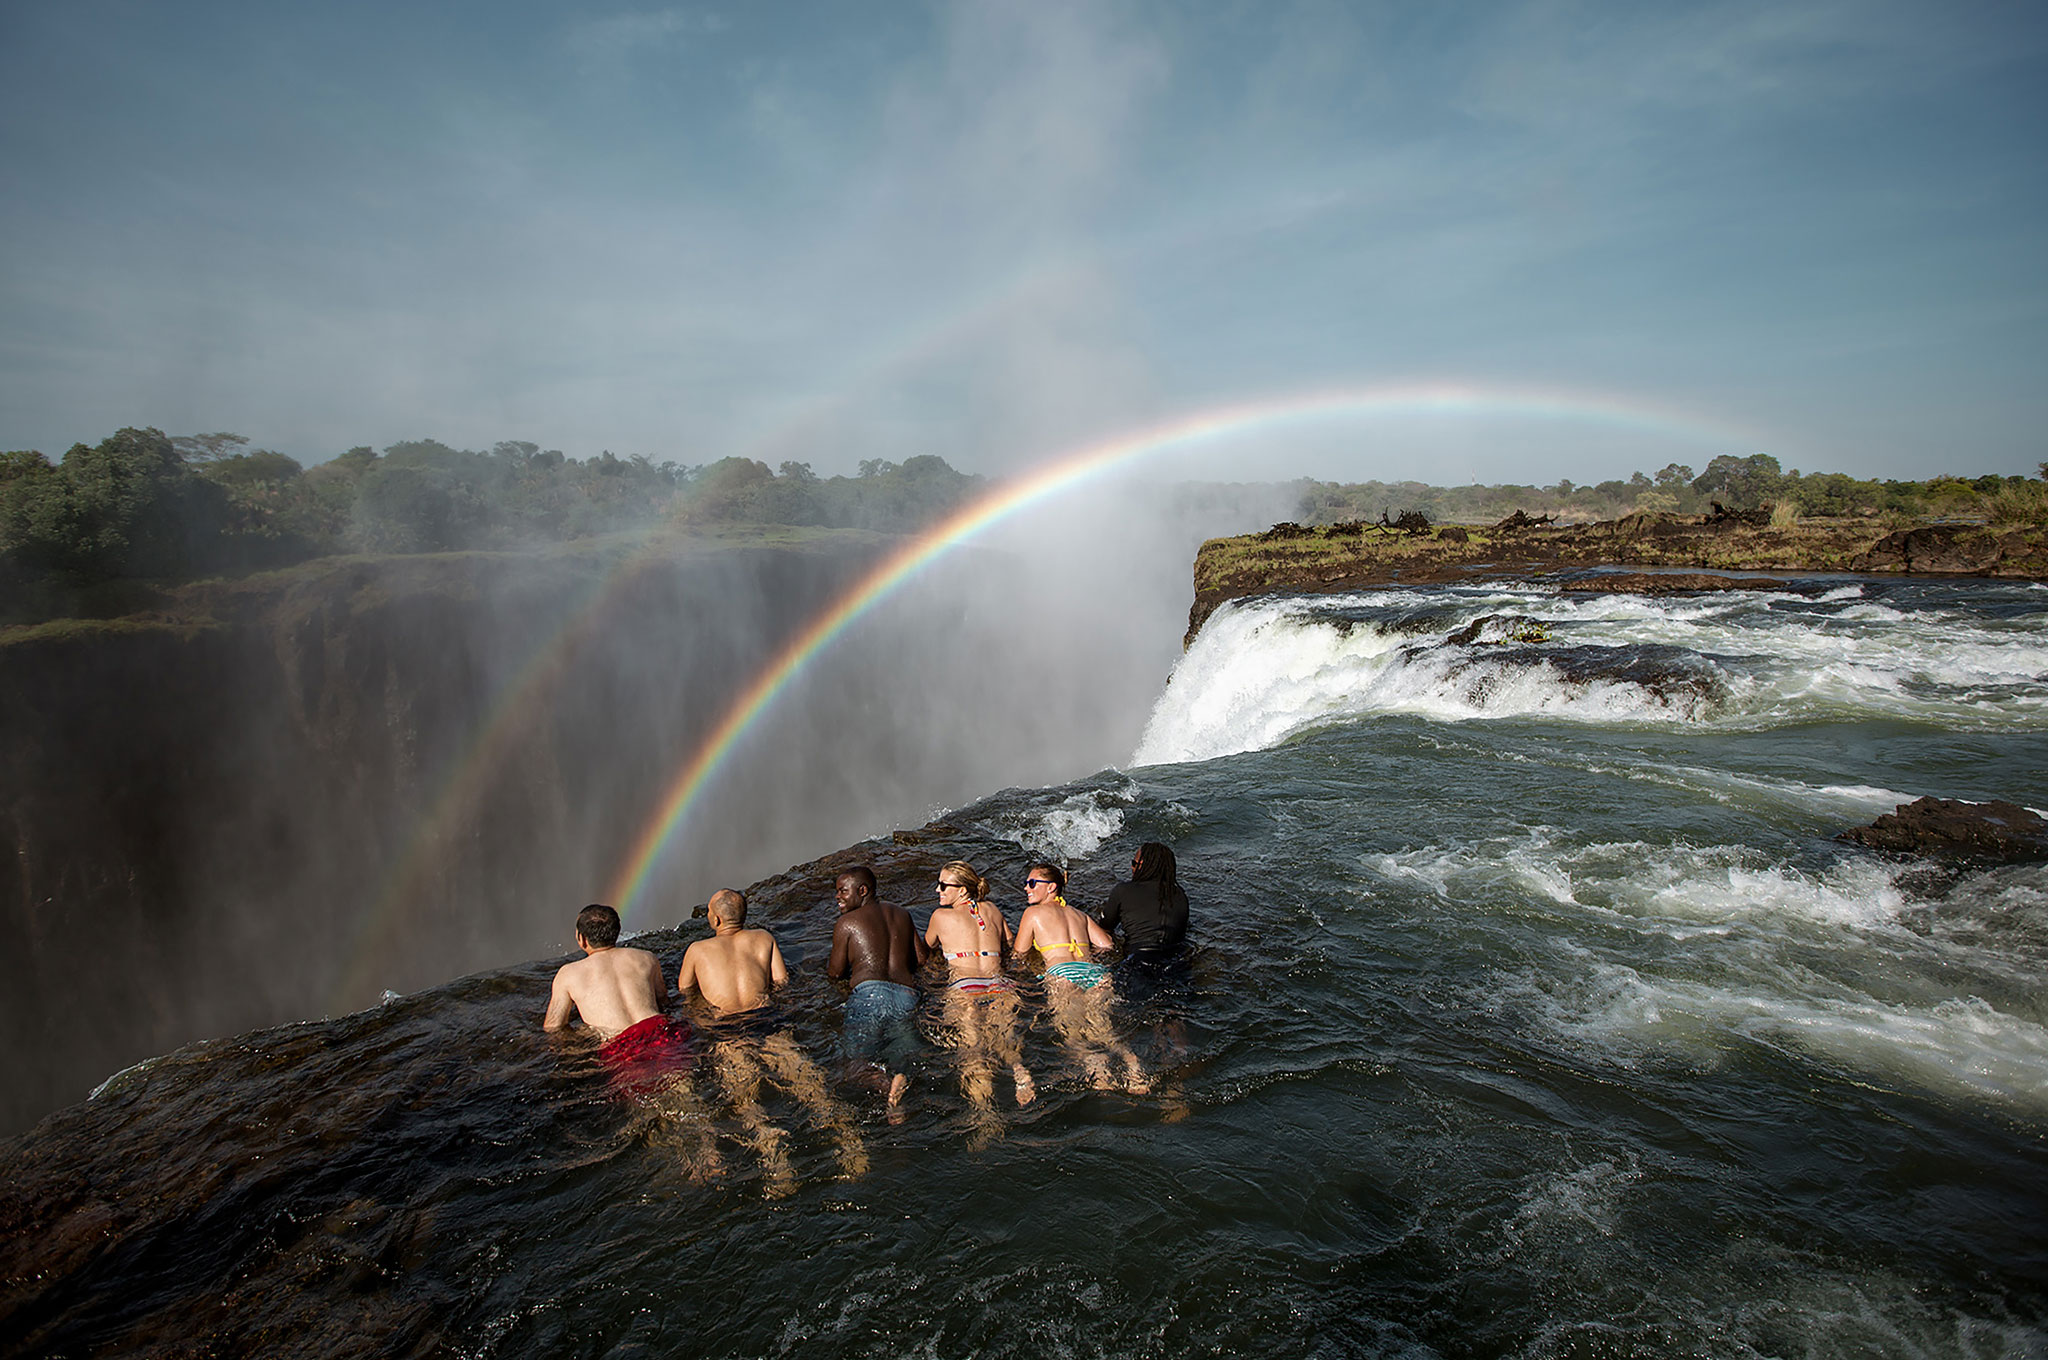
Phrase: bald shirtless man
x=733 y=973
x=619 y=993
x=876 y=947
x=736 y=968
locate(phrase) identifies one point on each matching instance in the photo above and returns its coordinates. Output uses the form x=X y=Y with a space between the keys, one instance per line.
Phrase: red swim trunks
x=641 y=1056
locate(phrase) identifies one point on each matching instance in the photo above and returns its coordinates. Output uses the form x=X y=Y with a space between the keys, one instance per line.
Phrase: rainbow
x=471 y=770
x=495 y=735
x=1062 y=474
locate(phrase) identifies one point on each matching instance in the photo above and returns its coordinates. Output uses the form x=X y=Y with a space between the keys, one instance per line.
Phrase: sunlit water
x=1535 y=1012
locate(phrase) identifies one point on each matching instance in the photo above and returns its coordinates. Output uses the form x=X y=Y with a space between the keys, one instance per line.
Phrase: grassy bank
x=1343 y=557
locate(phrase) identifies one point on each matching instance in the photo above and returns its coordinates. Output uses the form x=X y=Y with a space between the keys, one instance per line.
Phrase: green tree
x=1741 y=483
x=725 y=491
x=252 y=469
x=205 y=448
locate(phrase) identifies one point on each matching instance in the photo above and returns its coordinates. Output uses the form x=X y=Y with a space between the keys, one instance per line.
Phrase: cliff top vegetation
x=1747 y=483
x=97 y=531
x=79 y=534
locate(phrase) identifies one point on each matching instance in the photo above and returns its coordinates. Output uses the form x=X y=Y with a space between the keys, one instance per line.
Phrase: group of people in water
x=620 y=992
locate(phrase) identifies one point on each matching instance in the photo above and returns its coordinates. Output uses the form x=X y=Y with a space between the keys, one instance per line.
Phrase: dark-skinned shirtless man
x=876 y=947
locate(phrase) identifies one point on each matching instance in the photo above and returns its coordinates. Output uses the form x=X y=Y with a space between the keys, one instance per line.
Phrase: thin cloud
x=604 y=46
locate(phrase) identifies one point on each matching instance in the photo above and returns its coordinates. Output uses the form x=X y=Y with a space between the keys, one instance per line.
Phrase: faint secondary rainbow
x=1063 y=473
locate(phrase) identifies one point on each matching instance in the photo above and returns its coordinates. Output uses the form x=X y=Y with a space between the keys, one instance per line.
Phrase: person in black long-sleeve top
x=1151 y=907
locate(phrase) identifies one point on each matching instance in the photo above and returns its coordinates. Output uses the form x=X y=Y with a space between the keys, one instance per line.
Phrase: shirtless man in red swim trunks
x=620 y=994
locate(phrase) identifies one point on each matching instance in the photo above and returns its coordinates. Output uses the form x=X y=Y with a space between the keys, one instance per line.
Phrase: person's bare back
x=614 y=988
x=872 y=941
x=737 y=967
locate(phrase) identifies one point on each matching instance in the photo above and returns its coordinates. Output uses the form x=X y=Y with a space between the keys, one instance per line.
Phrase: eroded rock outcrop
x=1663 y=552
x=1949 y=828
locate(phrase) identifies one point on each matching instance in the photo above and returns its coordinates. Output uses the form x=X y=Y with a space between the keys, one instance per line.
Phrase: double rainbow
x=671 y=817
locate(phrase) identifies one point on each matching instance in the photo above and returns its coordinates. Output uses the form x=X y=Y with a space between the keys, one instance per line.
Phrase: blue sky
x=993 y=231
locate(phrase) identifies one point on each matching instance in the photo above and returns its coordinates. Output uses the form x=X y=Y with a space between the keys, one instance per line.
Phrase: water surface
x=1534 y=1012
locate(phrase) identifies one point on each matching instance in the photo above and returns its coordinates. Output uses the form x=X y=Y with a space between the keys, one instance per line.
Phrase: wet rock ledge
x=1654 y=553
x=1947 y=828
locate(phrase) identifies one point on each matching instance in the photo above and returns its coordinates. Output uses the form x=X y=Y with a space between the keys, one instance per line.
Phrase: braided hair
x=1155 y=861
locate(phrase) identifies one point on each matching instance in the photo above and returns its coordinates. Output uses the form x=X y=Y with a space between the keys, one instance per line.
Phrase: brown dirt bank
x=1660 y=554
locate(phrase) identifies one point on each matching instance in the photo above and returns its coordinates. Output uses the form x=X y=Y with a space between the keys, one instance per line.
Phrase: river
x=1534 y=1011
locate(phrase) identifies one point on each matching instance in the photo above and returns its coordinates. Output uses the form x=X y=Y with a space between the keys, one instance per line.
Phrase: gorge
x=1536 y=1006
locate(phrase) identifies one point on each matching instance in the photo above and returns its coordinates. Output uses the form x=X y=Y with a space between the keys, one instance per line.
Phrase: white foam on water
x=1262 y=671
x=1668 y=889
x=1257 y=674
x=1727 y=786
x=1073 y=828
x=1961 y=1046
x=1586 y=1197
x=1721 y=885
x=1758 y=950
x=1836 y=1312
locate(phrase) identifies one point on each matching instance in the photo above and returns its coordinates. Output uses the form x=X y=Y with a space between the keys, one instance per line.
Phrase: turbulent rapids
x=1534 y=1011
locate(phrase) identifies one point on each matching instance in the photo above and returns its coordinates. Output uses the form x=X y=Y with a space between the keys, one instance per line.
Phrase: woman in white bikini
x=1077 y=989
x=981 y=1002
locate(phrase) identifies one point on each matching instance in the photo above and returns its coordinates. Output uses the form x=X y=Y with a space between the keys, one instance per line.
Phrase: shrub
x=2020 y=502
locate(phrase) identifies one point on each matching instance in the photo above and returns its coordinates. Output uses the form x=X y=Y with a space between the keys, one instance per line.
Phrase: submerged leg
x=682 y=1121
x=741 y=1075
x=1003 y=1042
x=1071 y=1018
x=899 y=1086
x=802 y=1078
x=977 y=1074
x=1102 y=1030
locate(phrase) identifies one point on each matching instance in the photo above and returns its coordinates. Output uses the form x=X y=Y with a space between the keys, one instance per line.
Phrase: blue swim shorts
x=878 y=1028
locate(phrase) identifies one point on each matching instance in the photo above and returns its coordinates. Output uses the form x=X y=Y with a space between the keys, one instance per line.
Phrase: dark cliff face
x=230 y=822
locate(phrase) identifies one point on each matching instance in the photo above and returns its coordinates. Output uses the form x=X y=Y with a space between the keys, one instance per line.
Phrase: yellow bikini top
x=1077 y=946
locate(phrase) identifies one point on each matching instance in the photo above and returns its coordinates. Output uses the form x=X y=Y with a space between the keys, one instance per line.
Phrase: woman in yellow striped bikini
x=1077 y=989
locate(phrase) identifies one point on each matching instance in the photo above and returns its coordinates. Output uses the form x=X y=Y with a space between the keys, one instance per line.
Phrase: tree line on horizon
x=145 y=506
x=1750 y=483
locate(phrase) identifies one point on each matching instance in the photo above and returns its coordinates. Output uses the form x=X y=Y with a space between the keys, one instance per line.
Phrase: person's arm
x=658 y=983
x=1112 y=911
x=931 y=931
x=1097 y=936
x=1002 y=928
x=840 y=963
x=918 y=951
x=560 y=1004
x=1027 y=931
x=777 y=973
x=686 y=976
